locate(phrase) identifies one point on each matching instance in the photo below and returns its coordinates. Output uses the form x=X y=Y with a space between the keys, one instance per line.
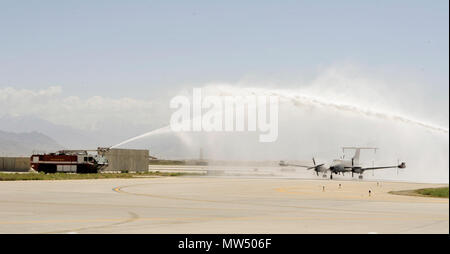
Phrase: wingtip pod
x=402 y=165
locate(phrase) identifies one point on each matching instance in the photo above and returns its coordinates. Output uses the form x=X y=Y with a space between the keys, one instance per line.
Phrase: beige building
x=126 y=159
x=15 y=164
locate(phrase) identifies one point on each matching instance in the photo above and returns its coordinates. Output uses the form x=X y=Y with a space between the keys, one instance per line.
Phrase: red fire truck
x=68 y=161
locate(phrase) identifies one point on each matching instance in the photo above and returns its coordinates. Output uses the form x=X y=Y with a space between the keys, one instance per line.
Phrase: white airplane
x=341 y=166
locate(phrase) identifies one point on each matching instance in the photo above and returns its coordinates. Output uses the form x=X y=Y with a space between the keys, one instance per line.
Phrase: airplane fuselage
x=340 y=166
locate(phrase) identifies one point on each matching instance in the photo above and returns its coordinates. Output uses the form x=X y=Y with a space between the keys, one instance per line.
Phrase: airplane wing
x=302 y=166
x=402 y=165
x=285 y=164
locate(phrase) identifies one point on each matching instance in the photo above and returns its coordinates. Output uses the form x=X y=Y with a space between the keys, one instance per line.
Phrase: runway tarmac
x=217 y=205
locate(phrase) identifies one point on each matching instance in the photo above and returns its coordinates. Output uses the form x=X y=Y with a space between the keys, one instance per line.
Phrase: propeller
x=353 y=163
x=315 y=167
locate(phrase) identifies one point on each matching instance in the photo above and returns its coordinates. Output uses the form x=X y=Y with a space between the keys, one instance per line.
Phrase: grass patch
x=166 y=162
x=441 y=192
x=434 y=192
x=66 y=176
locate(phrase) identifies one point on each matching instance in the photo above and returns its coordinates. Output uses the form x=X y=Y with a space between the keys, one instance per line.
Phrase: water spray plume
x=299 y=99
x=365 y=112
x=302 y=99
x=162 y=130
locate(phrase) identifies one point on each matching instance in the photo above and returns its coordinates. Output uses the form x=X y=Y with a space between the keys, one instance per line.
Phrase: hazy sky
x=139 y=48
x=370 y=73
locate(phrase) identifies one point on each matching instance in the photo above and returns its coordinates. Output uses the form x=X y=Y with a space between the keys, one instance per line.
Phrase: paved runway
x=217 y=205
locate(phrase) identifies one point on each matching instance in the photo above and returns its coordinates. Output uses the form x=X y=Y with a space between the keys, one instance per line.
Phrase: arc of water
x=315 y=102
x=165 y=129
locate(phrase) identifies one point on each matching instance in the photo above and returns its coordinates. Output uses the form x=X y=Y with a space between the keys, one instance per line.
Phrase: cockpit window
x=88 y=159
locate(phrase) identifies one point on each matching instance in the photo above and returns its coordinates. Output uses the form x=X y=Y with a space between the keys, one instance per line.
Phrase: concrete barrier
x=15 y=164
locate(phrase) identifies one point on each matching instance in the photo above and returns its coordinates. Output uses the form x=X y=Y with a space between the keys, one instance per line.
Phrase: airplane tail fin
x=355 y=158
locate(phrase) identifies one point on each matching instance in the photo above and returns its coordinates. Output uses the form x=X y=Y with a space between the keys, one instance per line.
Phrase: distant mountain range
x=24 y=143
x=69 y=137
x=64 y=135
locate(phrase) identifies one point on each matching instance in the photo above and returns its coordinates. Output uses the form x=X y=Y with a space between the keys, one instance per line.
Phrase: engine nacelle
x=357 y=170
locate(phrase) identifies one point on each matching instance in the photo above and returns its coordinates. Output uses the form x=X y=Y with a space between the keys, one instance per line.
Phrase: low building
x=125 y=159
x=15 y=164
